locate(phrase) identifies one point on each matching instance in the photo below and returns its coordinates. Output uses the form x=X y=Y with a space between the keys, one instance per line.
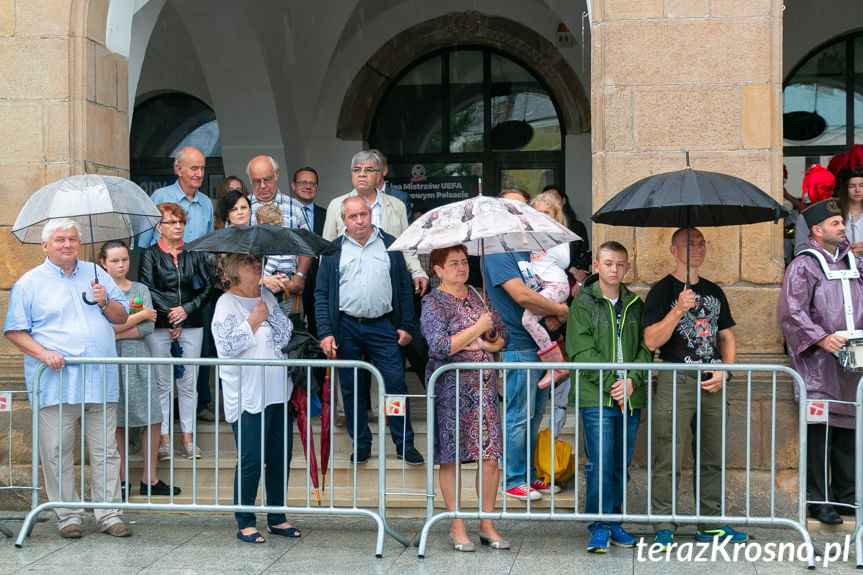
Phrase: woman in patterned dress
x=454 y=322
x=249 y=324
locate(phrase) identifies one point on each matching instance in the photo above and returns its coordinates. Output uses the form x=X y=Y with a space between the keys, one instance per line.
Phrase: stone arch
x=456 y=28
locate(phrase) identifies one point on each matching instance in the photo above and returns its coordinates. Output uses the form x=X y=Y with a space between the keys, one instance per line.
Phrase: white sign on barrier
x=817 y=412
x=396 y=405
x=5 y=401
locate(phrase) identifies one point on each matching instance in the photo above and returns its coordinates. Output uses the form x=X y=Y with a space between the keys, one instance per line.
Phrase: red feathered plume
x=818 y=184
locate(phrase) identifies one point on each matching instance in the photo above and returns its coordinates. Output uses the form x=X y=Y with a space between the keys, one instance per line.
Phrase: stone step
x=413 y=505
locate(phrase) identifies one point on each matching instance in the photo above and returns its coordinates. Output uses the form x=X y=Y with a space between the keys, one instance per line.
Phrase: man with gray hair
x=364 y=308
x=387 y=213
x=189 y=166
x=263 y=173
x=48 y=320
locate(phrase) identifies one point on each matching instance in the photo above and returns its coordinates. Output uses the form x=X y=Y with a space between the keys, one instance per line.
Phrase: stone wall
x=705 y=77
x=63 y=108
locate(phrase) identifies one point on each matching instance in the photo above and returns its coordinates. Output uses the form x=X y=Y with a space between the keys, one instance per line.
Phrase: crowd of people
x=367 y=303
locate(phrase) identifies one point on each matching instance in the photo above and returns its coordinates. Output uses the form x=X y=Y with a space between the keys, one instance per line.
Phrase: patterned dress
x=444 y=315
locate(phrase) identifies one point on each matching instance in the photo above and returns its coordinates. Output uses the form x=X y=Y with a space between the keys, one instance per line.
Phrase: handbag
x=304 y=345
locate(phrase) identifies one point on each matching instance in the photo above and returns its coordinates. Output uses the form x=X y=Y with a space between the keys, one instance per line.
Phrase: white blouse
x=261 y=385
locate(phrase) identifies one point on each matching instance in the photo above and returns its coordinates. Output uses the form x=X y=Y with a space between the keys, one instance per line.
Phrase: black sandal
x=254 y=537
x=284 y=531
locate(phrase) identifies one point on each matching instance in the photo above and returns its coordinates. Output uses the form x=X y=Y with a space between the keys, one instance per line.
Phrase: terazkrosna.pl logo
x=751 y=551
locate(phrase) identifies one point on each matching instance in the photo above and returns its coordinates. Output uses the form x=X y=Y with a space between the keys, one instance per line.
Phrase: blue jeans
x=378 y=343
x=614 y=467
x=525 y=405
x=276 y=468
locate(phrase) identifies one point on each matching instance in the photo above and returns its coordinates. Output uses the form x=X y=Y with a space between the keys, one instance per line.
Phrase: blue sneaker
x=722 y=533
x=620 y=538
x=663 y=540
x=598 y=541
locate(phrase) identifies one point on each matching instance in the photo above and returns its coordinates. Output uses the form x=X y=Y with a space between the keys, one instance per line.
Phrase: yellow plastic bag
x=564 y=459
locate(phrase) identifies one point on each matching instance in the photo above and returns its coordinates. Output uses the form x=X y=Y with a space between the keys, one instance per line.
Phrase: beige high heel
x=493 y=543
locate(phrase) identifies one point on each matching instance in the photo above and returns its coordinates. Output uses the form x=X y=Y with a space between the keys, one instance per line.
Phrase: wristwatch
x=105 y=305
x=301 y=274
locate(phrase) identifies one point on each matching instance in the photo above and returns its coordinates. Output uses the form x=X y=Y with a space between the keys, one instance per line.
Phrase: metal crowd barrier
x=168 y=503
x=7 y=399
x=571 y=512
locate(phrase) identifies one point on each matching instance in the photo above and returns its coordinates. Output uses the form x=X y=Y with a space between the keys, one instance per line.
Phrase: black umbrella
x=689 y=198
x=263 y=239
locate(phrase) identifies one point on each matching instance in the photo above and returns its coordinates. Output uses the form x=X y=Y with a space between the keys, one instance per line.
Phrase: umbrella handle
x=84 y=295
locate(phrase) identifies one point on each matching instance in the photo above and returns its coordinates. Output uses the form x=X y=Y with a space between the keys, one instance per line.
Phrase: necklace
x=446 y=290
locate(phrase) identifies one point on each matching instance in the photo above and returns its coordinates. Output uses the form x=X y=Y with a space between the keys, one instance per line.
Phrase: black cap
x=820 y=211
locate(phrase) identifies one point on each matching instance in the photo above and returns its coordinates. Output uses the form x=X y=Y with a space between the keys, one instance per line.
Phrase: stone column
x=705 y=76
x=63 y=109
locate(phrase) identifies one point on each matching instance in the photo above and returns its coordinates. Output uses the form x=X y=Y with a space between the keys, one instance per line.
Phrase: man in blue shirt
x=48 y=320
x=189 y=166
x=510 y=296
x=364 y=307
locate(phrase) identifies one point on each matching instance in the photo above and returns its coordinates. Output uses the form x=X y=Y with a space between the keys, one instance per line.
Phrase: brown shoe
x=71 y=531
x=119 y=529
x=340 y=421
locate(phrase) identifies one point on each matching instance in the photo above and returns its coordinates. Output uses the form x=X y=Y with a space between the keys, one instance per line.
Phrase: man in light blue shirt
x=48 y=319
x=364 y=309
x=189 y=166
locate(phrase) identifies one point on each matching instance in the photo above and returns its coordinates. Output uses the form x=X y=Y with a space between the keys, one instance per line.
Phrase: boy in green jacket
x=605 y=325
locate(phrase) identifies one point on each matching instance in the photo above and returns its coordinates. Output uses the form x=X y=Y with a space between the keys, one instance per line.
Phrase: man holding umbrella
x=48 y=321
x=688 y=319
x=816 y=326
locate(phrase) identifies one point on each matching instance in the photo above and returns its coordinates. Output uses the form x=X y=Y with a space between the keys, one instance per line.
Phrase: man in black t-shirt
x=689 y=325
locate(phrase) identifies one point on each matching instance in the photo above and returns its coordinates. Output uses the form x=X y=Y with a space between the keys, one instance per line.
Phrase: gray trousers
x=104 y=460
x=666 y=470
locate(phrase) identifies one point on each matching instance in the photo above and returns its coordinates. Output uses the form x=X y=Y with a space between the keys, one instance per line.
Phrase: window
x=465 y=114
x=822 y=105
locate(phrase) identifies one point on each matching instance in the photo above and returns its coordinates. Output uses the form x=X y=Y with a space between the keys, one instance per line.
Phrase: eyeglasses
x=261 y=181
x=173 y=223
x=307 y=183
x=238 y=190
x=364 y=170
x=251 y=259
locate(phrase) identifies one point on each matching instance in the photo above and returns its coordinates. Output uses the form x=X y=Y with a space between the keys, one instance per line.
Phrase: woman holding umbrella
x=179 y=284
x=453 y=322
x=250 y=324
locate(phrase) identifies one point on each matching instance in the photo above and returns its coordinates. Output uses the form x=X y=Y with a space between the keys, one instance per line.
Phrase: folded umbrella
x=177 y=351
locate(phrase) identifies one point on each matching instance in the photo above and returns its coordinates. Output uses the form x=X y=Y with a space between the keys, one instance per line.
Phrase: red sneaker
x=523 y=492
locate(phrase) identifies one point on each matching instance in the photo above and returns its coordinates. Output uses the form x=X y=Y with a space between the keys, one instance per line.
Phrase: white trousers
x=159 y=343
x=104 y=459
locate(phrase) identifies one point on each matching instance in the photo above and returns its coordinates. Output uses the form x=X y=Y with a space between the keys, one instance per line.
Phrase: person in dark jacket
x=605 y=326
x=180 y=286
x=358 y=313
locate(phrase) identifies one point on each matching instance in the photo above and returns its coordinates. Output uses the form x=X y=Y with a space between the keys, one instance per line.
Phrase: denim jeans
x=525 y=405
x=276 y=468
x=614 y=463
